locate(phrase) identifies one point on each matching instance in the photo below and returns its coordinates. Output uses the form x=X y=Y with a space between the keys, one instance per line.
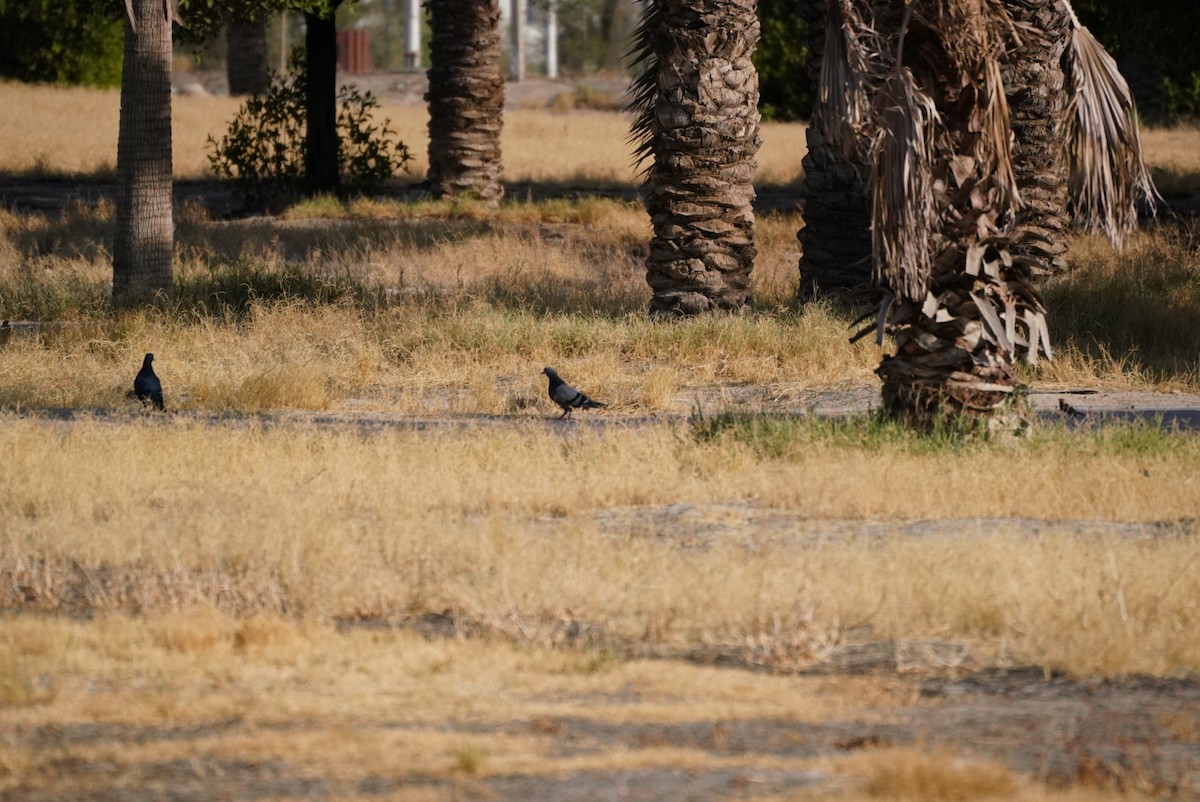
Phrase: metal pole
x=412 y=34
x=283 y=42
x=517 y=30
x=552 y=39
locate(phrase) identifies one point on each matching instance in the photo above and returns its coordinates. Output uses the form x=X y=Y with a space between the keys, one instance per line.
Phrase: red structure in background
x=354 y=51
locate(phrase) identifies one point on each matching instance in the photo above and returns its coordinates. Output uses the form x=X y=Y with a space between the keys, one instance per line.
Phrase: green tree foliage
x=785 y=92
x=1151 y=31
x=265 y=146
x=204 y=18
x=61 y=41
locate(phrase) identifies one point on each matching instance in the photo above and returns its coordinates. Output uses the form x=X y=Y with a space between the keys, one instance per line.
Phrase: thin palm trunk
x=835 y=242
x=144 y=240
x=466 y=99
x=699 y=122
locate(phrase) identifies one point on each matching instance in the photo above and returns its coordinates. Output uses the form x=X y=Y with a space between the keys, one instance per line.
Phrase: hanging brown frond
x=995 y=141
x=848 y=70
x=903 y=207
x=643 y=90
x=1108 y=174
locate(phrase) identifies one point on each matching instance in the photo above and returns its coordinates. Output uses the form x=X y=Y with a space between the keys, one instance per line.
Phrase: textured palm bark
x=246 y=62
x=1037 y=98
x=144 y=239
x=705 y=135
x=835 y=242
x=466 y=99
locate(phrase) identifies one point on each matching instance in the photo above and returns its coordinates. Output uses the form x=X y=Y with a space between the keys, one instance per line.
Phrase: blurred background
x=581 y=43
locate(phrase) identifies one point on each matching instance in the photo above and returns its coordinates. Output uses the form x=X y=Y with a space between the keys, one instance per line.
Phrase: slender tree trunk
x=835 y=242
x=703 y=139
x=144 y=240
x=246 y=59
x=321 y=138
x=1037 y=98
x=617 y=22
x=466 y=99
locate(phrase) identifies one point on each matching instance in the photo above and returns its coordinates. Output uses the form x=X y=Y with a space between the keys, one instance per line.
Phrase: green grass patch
x=793 y=437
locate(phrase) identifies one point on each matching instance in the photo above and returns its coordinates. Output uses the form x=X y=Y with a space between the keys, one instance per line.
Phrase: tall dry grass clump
x=1129 y=319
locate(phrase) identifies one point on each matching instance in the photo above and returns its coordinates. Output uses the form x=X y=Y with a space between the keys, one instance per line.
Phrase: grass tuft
x=933 y=775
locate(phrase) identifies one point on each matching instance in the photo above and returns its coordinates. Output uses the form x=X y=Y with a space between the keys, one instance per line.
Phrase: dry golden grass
x=442 y=311
x=265 y=706
x=507 y=529
x=73 y=131
x=1173 y=159
x=411 y=315
x=63 y=131
x=230 y=549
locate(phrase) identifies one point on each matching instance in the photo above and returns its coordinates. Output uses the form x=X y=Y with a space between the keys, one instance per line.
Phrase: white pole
x=517 y=31
x=552 y=40
x=412 y=34
x=283 y=42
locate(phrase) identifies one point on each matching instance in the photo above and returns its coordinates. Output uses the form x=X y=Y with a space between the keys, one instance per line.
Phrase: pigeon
x=1070 y=410
x=146 y=386
x=567 y=396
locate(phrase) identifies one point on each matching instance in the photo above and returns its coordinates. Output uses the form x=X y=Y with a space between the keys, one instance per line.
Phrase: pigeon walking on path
x=567 y=396
x=146 y=386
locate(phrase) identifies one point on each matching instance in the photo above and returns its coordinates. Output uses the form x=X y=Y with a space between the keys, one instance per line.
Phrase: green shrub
x=61 y=41
x=265 y=147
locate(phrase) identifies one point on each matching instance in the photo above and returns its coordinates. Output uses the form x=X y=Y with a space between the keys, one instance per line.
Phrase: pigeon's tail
x=588 y=403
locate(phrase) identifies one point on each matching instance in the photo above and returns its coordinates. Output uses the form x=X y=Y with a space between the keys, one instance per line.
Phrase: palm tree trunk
x=1037 y=98
x=835 y=242
x=144 y=240
x=466 y=99
x=701 y=126
x=961 y=315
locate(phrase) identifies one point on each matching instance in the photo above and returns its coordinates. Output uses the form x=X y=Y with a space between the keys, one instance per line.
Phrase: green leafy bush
x=61 y=41
x=265 y=147
x=1184 y=98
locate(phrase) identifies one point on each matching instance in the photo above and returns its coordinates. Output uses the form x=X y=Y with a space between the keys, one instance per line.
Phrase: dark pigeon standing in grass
x=567 y=396
x=146 y=386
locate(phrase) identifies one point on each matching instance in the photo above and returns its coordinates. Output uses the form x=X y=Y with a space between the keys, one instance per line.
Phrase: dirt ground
x=1134 y=734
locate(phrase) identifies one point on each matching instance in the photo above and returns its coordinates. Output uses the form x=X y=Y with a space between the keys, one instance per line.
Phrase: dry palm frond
x=995 y=142
x=847 y=70
x=903 y=206
x=643 y=91
x=1108 y=175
